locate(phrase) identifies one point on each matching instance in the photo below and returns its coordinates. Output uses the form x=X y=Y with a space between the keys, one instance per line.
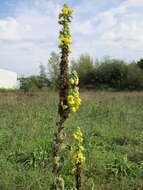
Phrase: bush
x=83 y=66
x=33 y=83
x=112 y=73
x=140 y=64
x=134 y=79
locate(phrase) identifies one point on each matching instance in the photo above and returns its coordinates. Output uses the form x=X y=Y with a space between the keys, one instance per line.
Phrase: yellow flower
x=71 y=81
x=61 y=38
x=75 y=136
x=78 y=149
x=76 y=106
x=81 y=147
x=78 y=158
x=75 y=94
x=79 y=133
x=81 y=157
x=70 y=12
x=69 y=51
x=81 y=139
x=77 y=81
x=70 y=100
x=65 y=10
x=65 y=40
x=61 y=45
x=69 y=34
x=78 y=101
x=73 y=109
x=73 y=171
x=78 y=136
x=74 y=157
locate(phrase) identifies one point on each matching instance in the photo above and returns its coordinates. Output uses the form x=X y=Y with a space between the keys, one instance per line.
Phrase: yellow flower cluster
x=74 y=102
x=72 y=81
x=73 y=99
x=64 y=19
x=67 y=11
x=78 y=148
x=65 y=40
x=78 y=135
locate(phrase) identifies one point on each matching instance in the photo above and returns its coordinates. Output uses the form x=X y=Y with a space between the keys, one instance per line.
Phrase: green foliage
x=109 y=73
x=35 y=83
x=134 y=77
x=38 y=157
x=121 y=167
x=29 y=84
x=8 y=90
x=140 y=63
x=42 y=79
x=83 y=66
x=54 y=70
x=112 y=73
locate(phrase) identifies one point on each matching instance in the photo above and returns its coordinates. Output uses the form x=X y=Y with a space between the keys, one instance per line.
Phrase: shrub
x=134 y=79
x=83 y=66
x=112 y=73
x=140 y=64
x=33 y=83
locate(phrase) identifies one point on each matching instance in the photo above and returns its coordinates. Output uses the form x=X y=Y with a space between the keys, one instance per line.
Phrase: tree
x=83 y=65
x=140 y=64
x=42 y=71
x=43 y=81
x=134 y=77
x=29 y=84
x=112 y=73
x=54 y=69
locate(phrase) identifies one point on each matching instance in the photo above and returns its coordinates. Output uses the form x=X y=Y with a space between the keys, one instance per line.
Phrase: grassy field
x=112 y=124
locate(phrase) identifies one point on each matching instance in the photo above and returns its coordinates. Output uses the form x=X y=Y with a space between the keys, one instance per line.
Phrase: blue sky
x=29 y=31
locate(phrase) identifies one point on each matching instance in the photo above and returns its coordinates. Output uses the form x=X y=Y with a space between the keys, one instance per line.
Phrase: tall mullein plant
x=63 y=110
x=69 y=102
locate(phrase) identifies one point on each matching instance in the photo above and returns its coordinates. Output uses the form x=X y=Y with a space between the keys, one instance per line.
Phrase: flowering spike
x=65 y=41
x=74 y=92
x=78 y=157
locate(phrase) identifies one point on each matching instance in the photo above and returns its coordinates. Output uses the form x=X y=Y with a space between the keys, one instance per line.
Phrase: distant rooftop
x=6 y=70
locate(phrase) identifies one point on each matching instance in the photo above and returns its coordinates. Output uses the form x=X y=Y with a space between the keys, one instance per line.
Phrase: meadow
x=112 y=124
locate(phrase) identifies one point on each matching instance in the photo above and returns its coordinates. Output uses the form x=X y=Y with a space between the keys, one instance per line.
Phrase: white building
x=8 y=79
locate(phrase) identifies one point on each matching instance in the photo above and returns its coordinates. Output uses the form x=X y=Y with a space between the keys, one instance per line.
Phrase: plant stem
x=78 y=177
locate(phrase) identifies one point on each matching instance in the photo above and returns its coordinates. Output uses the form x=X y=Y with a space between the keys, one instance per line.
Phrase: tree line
x=108 y=74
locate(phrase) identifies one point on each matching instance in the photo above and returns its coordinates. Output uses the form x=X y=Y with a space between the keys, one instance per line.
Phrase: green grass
x=112 y=124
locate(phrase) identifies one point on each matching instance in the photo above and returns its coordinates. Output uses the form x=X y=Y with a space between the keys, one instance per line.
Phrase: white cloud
x=28 y=37
x=134 y=3
x=83 y=27
x=9 y=29
x=120 y=30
